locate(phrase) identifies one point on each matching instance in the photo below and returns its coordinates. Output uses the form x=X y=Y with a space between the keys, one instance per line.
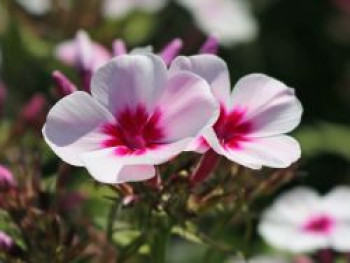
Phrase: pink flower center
x=231 y=128
x=319 y=225
x=134 y=131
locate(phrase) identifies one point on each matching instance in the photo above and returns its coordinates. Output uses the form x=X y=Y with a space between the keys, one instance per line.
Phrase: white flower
x=303 y=221
x=254 y=117
x=121 y=8
x=138 y=115
x=82 y=52
x=231 y=21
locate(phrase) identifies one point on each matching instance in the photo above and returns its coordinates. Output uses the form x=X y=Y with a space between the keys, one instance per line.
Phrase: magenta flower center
x=134 y=131
x=319 y=225
x=231 y=128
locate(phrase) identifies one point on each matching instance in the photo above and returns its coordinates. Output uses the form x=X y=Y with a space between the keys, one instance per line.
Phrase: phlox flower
x=137 y=116
x=303 y=221
x=121 y=8
x=82 y=52
x=253 y=117
x=36 y=7
x=231 y=21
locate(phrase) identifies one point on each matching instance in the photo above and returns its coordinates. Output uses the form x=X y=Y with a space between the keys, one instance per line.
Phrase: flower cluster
x=141 y=113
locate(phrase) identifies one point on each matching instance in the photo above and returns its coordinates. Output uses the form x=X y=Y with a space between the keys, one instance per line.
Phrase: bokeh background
x=305 y=44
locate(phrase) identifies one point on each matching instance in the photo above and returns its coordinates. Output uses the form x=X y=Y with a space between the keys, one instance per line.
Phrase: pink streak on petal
x=203 y=144
x=322 y=224
x=63 y=84
x=171 y=50
x=231 y=128
x=134 y=132
x=210 y=46
x=119 y=48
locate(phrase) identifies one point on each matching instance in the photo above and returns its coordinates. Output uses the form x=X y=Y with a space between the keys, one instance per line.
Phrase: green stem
x=161 y=233
x=110 y=220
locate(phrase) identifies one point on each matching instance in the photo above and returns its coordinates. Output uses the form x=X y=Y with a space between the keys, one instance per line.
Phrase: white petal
x=121 y=8
x=130 y=81
x=117 y=8
x=72 y=126
x=282 y=224
x=270 y=106
x=290 y=238
x=212 y=68
x=107 y=166
x=294 y=207
x=337 y=203
x=276 y=152
x=104 y=167
x=84 y=49
x=187 y=107
x=240 y=158
x=341 y=236
x=231 y=21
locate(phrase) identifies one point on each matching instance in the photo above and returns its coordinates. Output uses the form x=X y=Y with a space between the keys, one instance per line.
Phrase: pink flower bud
x=6 y=242
x=7 y=180
x=171 y=50
x=63 y=84
x=210 y=46
x=3 y=95
x=34 y=107
x=119 y=48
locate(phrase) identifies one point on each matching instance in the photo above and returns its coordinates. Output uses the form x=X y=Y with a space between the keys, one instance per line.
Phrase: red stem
x=325 y=256
x=206 y=165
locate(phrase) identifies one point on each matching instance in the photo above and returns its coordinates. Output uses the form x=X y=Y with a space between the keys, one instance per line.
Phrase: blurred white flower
x=36 y=7
x=303 y=221
x=121 y=8
x=231 y=21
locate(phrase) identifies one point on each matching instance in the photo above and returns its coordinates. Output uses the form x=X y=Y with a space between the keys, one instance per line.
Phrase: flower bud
x=7 y=180
x=6 y=242
x=64 y=86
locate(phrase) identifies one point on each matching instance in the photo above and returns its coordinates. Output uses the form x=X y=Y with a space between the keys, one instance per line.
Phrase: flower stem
x=206 y=165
